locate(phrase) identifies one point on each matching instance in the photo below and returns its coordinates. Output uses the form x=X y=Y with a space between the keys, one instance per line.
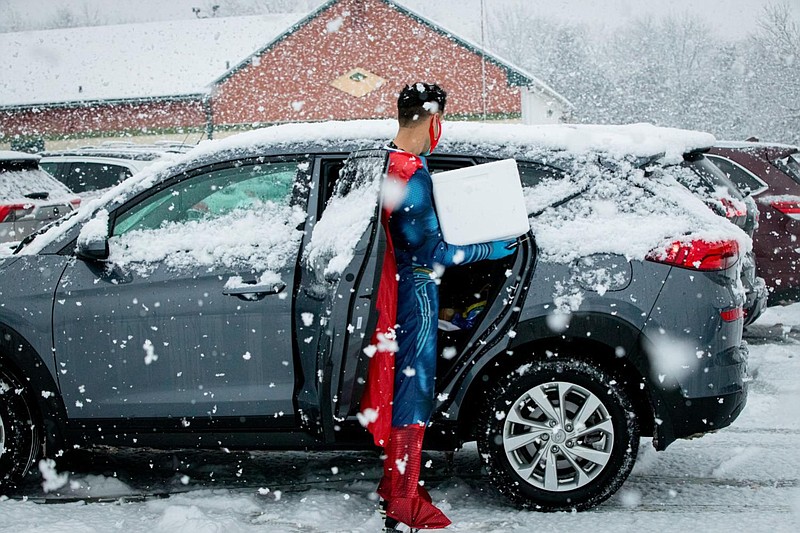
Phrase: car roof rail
x=117 y=143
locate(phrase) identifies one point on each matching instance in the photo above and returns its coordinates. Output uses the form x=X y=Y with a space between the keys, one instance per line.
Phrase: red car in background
x=30 y=198
x=770 y=173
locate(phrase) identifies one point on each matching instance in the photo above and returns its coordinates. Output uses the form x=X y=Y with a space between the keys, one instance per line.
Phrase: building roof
x=128 y=61
x=168 y=59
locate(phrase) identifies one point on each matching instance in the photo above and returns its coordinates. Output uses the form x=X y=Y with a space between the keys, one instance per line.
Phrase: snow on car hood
x=580 y=227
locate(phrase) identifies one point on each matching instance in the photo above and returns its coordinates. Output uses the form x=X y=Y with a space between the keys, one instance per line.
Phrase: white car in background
x=29 y=197
x=88 y=169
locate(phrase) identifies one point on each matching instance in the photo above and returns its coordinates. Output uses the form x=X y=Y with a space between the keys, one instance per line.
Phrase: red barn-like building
x=347 y=59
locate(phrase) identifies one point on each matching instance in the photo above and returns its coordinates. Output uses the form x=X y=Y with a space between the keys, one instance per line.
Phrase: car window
x=443 y=164
x=791 y=165
x=743 y=178
x=706 y=179
x=212 y=195
x=248 y=218
x=86 y=176
x=545 y=186
x=532 y=174
x=329 y=174
x=51 y=167
x=331 y=167
x=347 y=214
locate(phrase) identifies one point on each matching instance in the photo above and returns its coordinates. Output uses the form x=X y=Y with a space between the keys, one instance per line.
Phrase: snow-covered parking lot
x=745 y=477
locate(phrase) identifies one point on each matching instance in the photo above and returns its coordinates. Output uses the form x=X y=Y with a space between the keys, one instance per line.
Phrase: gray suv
x=226 y=300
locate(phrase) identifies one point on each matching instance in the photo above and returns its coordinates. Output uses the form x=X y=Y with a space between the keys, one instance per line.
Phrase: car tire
x=20 y=441
x=543 y=459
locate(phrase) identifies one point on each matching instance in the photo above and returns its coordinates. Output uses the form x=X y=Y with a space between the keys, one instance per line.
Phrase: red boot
x=407 y=502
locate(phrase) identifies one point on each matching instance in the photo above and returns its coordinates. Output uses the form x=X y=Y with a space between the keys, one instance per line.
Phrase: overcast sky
x=726 y=17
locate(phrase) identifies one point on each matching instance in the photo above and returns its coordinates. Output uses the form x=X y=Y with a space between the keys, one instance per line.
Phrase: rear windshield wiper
x=38 y=195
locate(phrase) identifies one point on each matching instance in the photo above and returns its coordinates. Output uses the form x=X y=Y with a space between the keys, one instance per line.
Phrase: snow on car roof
x=170 y=58
x=754 y=144
x=638 y=140
x=8 y=155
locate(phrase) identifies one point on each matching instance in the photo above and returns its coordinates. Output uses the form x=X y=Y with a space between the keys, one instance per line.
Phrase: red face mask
x=435 y=132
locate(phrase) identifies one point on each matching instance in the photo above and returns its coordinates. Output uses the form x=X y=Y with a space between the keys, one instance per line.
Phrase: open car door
x=342 y=265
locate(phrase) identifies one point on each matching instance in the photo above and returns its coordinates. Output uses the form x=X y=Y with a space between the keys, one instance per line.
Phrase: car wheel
x=558 y=435
x=19 y=434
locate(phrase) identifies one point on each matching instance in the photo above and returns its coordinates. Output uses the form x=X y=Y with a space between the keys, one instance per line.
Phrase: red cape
x=376 y=403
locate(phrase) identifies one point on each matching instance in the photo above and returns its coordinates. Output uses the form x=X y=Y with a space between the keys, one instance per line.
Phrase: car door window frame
x=325 y=184
x=790 y=165
x=299 y=190
x=78 y=180
x=443 y=163
x=763 y=186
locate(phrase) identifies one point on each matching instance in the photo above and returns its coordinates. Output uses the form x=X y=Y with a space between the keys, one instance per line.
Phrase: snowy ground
x=745 y=477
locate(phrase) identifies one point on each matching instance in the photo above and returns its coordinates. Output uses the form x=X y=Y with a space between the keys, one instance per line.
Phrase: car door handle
x=259 y=290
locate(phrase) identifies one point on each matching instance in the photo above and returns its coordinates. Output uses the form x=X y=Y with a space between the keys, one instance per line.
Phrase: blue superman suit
x=419 y=249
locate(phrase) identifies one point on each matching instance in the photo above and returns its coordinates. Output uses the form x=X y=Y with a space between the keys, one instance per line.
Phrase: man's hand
x=501 y=249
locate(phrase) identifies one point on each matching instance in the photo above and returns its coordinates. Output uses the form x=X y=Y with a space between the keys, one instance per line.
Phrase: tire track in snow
x=772 y=431
x=715 y=481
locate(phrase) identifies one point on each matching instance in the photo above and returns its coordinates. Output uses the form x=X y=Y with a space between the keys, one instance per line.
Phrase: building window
x=358 y=82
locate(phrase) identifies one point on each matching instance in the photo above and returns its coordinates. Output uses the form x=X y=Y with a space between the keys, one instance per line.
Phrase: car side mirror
x=92 y=242
x=92 y=250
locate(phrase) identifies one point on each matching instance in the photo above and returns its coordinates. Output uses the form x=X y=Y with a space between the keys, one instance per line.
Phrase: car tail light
x=11 y=212
x=698 y=255
x=75 y=202
x=732 y=315
x=733 y=208
x=790 y=208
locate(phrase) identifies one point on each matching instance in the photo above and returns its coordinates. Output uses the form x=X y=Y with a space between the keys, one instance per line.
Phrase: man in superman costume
x=399 y=395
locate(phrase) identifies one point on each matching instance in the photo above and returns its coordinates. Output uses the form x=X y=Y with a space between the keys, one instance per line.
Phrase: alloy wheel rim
x=558 y=436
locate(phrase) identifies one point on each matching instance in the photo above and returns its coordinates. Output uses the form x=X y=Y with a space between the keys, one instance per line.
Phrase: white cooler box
x=480 y=203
